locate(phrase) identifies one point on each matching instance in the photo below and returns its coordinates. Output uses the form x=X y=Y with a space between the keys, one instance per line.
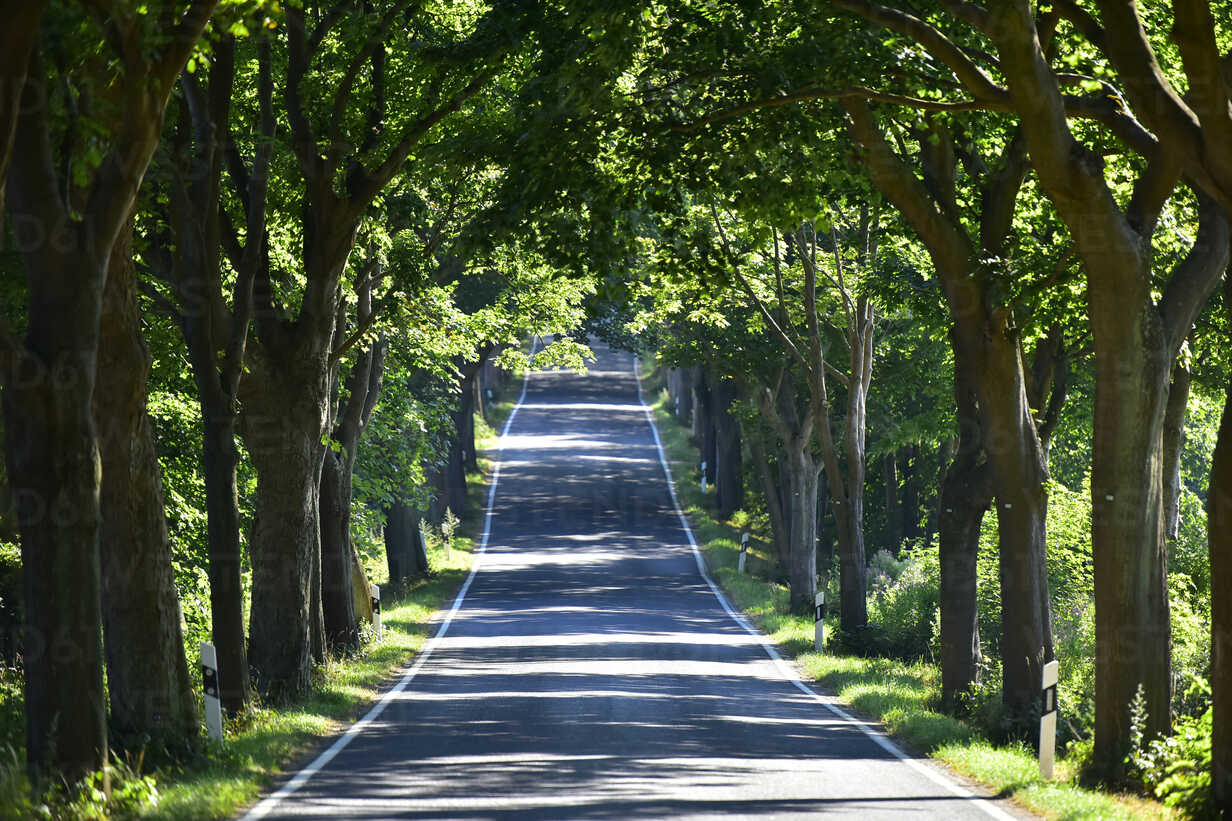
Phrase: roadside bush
x=1176 y=769
x=1073 y=628
x=904 y=602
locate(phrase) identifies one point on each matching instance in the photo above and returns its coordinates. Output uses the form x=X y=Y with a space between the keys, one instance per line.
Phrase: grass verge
x=901 y=695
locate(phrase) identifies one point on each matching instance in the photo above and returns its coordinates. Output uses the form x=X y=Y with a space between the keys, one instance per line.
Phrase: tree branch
x=774 y=326
x=346 y=86
x=1197 y=274
x=974 y=78
x=365 y=187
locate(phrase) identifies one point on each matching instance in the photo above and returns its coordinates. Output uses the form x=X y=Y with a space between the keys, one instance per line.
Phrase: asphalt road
x=590 y=671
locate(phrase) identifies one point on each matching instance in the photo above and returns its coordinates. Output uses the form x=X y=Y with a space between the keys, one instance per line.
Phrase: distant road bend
x=588 y=670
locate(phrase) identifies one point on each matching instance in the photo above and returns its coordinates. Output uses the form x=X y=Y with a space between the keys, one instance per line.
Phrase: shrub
x=1176 y=769
x=904 y=603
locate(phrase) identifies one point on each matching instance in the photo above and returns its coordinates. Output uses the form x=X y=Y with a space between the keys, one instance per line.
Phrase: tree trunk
x=283 y=423
x=404 y=547
x=220 y=456
x=701 y=409
x=148 y=685
x=801 y=512
x=215 y=336
x=455 y=478
x=966 y=493
x=911 y=491
x=894 y=510
x=1174 y=443
x=772 y=492
x=53 y=470
x=1132 y=628
x=1219 y=536
x=684 y=405
x=853 y=597
x=465 y=420
x=729 y=463
x=345 y=594
x=673 y=383
x=1026 y=635
x=337 y=588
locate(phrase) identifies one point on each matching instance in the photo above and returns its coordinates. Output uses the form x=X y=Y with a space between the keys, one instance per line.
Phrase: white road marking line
x=266 y=805
x=789 y=673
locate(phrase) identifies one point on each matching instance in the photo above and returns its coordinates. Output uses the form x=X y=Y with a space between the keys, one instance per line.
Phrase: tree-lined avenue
x=591 y=672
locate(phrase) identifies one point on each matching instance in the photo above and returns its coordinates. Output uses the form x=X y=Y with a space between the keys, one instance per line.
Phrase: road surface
x=590 y=671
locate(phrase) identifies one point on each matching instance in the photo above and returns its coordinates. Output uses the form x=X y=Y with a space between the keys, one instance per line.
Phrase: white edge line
x=786 y=669
x=267 y=804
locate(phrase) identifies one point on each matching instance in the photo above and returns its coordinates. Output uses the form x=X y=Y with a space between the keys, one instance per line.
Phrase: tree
x=292 y=357
x=990 y=364
x=195 y=294
x=66 y=229
x=808 y=350
x=1136 y=337
x=148 y=687
x=1219 y=534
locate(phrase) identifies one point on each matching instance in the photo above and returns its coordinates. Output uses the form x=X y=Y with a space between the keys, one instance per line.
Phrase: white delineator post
x=819 y=615
x=376 y=609
x=1048 y=721
x=703 y=476
x=744 y=551
x=209 y=683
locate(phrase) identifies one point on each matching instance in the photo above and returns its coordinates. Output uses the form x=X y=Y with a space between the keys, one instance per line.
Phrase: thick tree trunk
x=853 y=595
x=53 y=469
x=703 y=424
x=345 y=593
x=434 y=481
x=1174 y=443
x=455 y=478
x=729 y=463
x=1132 y=628
x=1219 y=535
x=316 y=605
x=826 y=532
x=148 y=686
x=1020 y=482
x=283 y=423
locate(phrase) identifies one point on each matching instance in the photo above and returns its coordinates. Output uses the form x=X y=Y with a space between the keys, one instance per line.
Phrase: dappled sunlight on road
x=591 y=672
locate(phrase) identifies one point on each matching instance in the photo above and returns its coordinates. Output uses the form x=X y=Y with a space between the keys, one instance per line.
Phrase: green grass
x=900 y=695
